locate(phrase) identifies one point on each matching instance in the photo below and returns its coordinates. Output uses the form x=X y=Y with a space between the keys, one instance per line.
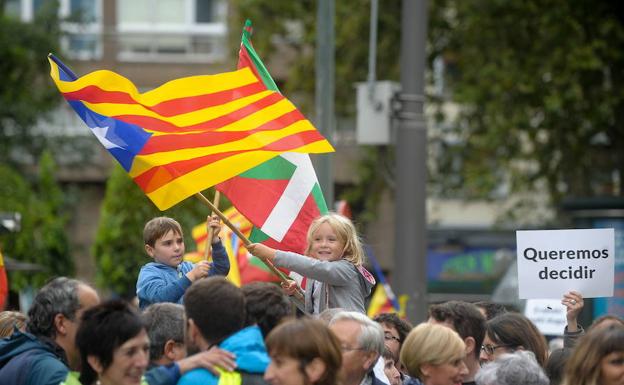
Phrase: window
x=172 y=30
x=82 y=22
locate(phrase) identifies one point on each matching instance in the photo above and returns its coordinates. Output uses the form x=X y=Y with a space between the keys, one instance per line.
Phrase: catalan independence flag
x=190 y=133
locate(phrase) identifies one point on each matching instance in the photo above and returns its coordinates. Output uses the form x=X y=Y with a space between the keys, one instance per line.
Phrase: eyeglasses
x=489 y=349
x=389 y=337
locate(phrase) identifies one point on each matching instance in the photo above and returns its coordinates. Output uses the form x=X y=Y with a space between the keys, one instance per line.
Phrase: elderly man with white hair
x=362 y=343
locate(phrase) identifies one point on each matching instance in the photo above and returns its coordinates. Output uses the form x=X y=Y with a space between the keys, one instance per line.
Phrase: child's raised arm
x=261 y=251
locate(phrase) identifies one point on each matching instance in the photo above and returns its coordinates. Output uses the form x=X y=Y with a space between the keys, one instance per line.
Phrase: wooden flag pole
x=240 y=235
x=210 y=231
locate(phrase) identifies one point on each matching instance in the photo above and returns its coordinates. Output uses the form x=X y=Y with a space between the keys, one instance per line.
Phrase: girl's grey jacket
x=343 y=284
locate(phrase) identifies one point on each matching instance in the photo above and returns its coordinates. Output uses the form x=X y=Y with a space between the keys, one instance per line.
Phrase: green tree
x=25 y=91
x=540 y=85
x=119 y=249
x=41 y=239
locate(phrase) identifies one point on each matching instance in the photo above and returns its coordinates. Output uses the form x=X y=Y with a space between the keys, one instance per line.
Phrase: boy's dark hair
x=466 y=318
x=216 y=306
x=102 y=330
x=266 y=305
x=492 y=309
x=403 y=327
x=158 y=227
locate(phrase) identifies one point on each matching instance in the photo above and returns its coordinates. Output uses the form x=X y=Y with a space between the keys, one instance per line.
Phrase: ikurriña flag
x=190 y=133
x=282 y=196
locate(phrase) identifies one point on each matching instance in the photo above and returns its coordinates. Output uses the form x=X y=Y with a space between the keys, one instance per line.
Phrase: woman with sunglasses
x=303 y=352
x=509 y=332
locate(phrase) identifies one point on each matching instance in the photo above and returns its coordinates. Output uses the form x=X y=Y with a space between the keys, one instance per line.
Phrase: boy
x=167 y=278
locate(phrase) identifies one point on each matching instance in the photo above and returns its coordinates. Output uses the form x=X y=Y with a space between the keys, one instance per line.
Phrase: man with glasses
x=362 y=343
x=395 y=330
x=466 y=319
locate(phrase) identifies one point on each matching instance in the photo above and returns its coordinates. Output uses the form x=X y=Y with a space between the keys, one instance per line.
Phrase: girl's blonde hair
x=430 y=344
x=346 y=233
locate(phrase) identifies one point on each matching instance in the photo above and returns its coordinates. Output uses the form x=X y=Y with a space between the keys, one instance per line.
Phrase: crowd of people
x=193 y=326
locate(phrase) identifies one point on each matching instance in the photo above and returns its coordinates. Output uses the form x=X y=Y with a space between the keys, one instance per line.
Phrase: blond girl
x=332 y=266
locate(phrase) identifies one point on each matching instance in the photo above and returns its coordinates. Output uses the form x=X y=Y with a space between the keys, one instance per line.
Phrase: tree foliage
x=25 y=91
x=540 y=85
x=42 y=239
x=119 y=249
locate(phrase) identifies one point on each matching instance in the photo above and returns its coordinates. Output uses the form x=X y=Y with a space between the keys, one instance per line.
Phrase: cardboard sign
x=548 y=315
x=553 y=262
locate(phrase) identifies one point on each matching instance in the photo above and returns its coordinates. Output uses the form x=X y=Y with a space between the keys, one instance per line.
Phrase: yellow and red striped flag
x=190 y=133
x=234 y=246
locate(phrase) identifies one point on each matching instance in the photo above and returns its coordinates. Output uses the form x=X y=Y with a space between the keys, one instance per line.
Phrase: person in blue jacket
x=215 y=313
x=167 y=278
x=45 y=353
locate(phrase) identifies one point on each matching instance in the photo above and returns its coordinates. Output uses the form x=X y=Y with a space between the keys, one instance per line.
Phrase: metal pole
x=325 y=92
x=411 y=164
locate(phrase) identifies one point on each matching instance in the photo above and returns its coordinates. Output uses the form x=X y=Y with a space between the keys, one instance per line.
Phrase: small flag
x=383 y=299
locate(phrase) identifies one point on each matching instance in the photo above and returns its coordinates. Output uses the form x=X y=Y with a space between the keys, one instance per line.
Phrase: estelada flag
x=190 y=133
x=282 y=196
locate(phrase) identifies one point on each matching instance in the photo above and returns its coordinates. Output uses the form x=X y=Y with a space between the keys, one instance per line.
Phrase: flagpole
x=210 y=231
x=245 y=240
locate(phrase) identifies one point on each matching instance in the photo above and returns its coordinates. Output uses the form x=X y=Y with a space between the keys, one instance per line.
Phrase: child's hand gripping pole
x=210 y=230
x=247 y=242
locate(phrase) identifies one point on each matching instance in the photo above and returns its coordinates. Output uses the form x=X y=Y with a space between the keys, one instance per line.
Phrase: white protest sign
x=553 y=262
x=549 y=315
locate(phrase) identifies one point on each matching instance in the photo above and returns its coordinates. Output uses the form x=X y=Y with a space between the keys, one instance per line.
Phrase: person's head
x=555 y=365
x=215 y=309
x=598 y=358
x=56 y=311
x=332 y=237
x=515 y=368
x=165 y=329
x=303 y=352
x=9 y=320
x=395 y=330
x=490 y=309
x=164 y=241
x=434 y=354
x=607 y=320
x=266 y=305
x=113 y=345
x=510 y=332
x=466 y=319
x=361 y=341
x=390 y=370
